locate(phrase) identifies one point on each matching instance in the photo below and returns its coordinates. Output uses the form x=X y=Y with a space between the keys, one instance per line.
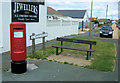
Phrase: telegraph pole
x=106 y=13
x=91 y=19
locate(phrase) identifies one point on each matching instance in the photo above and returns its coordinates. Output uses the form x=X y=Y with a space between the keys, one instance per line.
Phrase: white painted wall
x=86 y=17
x=6 y=20
x=0 y=42
x=0 y=27
x=38 y=27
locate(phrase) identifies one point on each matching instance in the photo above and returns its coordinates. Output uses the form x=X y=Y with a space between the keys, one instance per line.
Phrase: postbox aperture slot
x=18 y=28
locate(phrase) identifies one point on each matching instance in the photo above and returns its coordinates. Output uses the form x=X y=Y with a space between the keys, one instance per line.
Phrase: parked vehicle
x=106 y=31
x=118 y=25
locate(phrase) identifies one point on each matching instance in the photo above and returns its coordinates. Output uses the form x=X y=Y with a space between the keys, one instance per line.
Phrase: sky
x=99 y=6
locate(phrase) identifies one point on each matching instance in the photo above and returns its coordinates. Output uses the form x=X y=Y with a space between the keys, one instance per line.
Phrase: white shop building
x=34 y=14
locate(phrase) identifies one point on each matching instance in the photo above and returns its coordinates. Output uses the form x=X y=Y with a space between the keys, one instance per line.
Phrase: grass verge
x=83 y=30
x=96 y=31
x=104 y=56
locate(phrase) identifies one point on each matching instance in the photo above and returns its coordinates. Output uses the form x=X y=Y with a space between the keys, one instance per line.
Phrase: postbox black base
x=18 y=67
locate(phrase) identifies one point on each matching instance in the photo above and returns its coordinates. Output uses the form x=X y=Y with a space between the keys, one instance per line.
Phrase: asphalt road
x=53 y=71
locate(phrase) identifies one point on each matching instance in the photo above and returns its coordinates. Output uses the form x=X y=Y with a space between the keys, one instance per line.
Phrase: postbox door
x=18 y=44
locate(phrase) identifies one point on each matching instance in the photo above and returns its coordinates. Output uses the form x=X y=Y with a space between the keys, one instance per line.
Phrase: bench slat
x=72 y=48
x=76 y=41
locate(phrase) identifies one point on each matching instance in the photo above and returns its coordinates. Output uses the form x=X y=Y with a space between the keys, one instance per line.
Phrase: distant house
x=93 y=18
x=78 y=15
x=52 y=14
x=103 y=20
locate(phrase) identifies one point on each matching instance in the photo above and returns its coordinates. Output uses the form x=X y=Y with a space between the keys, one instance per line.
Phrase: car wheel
x=100 y=35
x=111 y=36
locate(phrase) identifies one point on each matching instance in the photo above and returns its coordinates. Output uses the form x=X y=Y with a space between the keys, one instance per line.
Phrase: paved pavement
x=119 y=33
x=52 y=71
x=116 y=32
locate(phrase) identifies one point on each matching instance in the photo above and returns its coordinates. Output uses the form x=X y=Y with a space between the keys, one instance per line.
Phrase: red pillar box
x=18 y=47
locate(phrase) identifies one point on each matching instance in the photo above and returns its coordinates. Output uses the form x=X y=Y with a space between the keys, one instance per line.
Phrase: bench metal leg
x=61 y=50
x=90 y=53
x=57 y=53
x=87 y=55
x=90 y=48
x=61 y=45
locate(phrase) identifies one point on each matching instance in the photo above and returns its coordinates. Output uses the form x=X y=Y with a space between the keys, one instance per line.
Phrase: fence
x=67 y=23
x=61 y=23
x=60 y=28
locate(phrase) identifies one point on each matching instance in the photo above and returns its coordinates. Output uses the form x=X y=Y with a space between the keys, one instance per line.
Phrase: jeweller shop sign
x=25 y=12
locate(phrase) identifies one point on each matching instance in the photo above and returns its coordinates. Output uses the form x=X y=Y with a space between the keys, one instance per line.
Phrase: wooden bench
x=73 y=48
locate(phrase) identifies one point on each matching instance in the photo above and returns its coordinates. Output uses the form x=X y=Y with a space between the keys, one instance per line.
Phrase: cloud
x=114 y=12
x=99 y=6
x=48 y=1
x=68 y=2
